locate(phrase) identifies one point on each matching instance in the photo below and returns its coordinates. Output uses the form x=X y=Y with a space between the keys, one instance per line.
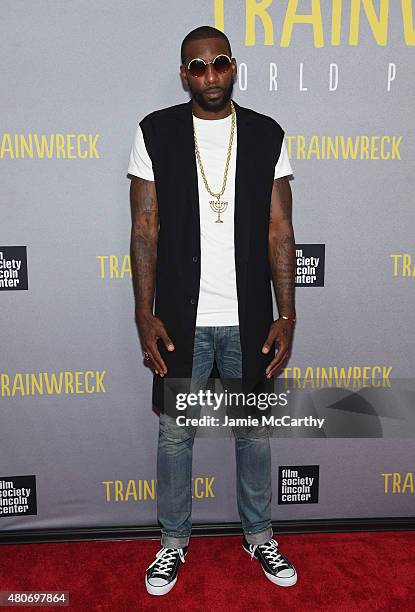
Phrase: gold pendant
x=218 y=207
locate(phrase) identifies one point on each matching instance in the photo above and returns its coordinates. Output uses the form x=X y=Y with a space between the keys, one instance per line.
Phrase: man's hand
x=152 y=329
x=281 y=331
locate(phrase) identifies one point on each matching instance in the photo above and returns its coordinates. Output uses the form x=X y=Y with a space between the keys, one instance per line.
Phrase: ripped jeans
x=175 y=452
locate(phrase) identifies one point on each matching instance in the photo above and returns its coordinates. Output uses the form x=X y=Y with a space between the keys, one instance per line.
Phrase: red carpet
x=336 y=572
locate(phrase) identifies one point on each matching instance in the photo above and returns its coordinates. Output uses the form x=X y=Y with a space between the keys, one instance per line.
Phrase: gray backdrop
x=77 y=67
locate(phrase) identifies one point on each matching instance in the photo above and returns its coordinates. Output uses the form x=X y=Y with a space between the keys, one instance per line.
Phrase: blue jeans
x=175 y=451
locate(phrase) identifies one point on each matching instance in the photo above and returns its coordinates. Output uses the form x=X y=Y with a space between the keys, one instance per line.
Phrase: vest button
x=195 y=258
x=193 y=301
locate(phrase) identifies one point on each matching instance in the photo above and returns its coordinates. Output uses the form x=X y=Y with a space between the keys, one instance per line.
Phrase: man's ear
x=183 y=77
x=235 y=69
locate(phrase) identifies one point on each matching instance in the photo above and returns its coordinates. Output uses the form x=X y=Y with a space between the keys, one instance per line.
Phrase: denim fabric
x=175 y=451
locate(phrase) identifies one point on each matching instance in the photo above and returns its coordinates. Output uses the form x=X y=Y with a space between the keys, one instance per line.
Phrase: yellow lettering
x=18 y=385
x=301 y=147
x=100 y=385
x=37 y=382
x=130 y=491
x=126 y=266
x=256 y=9
x=88 y=375
x=379 y=26
x=92 y=146
x=60 y=146
x=52 y=385
x=408 y=483
x=315 y=19
x=375 y=369
x=102 y=259
x=26 y=147
x=341 y=378
x=406 y=264
x=6 y=146
x=45 y=145
x=309 y=377
x=396 y=483
x=374 y=147
x=69 y=382
x=198 y=494
x=313 y=148
x=289 y=145
x=114 y=266
x=81 y=154
x=79 y=383
x=5 y=385
x=386 y=482
x=396 y=257
x=107 y=484
x=118 y=490
x=383 y=154
x=219 y=12
x=149 y=491
x=209 y=484
x=365 y=376
x=71 y=147
x=364 y=147
x=351 y=147
x=408 y=22
x=395 y=147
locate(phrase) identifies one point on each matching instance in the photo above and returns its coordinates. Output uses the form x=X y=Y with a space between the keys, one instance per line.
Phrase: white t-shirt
x=218 y=302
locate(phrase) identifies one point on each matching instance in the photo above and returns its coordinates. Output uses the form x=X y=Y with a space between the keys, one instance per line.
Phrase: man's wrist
x=143 y=313
x=291 y=317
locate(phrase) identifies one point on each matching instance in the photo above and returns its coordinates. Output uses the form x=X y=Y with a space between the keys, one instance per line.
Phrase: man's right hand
x=152 y=329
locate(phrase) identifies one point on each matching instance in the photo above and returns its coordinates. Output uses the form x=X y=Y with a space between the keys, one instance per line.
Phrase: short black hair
x=199 y=34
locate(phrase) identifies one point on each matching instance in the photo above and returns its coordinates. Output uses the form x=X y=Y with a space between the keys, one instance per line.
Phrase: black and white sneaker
x=161 y=574
x=276 y=567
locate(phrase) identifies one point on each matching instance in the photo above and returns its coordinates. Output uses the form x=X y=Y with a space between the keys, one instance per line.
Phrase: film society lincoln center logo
x=13 y=268
x=17 y=496
x=309 y=265
x=298 y=484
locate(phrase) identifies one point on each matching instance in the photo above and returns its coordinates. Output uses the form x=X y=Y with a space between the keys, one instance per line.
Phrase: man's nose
x=211 y=74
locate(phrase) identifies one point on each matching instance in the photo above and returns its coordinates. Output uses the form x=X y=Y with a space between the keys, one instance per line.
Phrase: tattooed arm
x=144 y=236
x=281 y=250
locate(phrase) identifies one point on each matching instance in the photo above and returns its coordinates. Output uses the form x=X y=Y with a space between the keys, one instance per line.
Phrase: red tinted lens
x=197 y=68
x=222 y=63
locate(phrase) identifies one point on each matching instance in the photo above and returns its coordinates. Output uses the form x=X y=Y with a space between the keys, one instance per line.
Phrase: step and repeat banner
x=78 y=437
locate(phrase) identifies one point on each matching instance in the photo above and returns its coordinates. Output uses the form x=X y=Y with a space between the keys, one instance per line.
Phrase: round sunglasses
x=197 y=67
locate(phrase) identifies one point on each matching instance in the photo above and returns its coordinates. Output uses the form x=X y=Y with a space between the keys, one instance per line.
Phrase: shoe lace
x=165 y=559
x=270 y=550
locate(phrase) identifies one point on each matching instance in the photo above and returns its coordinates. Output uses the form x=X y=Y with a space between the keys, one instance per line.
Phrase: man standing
x=211 y=225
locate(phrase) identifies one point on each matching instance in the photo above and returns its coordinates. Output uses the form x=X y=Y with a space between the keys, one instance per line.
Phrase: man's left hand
x=280 y=331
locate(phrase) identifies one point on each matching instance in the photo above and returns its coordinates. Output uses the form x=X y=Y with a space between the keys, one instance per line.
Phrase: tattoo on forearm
x=282 y=246
x=282 y=262
x=144 y=242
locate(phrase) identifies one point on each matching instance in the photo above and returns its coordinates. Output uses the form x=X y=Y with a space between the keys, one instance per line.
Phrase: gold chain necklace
x=218 y=206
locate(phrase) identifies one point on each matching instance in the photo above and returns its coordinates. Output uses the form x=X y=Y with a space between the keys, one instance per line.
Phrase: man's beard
x=213 y=105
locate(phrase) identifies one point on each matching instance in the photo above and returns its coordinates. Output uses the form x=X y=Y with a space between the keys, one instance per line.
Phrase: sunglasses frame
x=199 y=59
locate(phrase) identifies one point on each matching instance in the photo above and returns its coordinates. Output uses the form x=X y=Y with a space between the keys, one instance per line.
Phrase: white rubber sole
x=284 y=582
x=159 y=590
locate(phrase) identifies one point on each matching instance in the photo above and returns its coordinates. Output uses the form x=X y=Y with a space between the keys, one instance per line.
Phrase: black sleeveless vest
x=168 y=136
